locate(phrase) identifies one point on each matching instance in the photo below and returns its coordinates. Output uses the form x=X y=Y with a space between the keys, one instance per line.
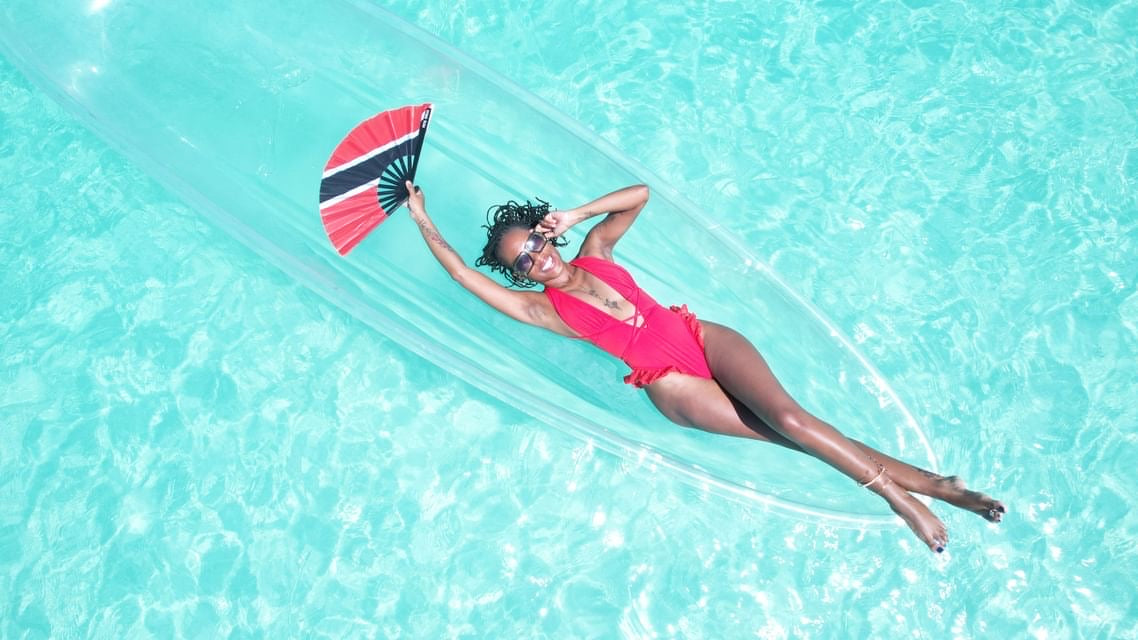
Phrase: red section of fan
x=363 y=180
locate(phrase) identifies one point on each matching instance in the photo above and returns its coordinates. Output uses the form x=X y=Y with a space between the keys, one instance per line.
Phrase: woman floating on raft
x=697 y=373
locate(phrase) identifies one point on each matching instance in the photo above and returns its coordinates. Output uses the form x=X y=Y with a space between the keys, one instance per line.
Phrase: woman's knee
x=791 y=420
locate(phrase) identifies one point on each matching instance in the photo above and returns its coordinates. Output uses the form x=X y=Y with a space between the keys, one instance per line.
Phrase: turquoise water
x=194 y=443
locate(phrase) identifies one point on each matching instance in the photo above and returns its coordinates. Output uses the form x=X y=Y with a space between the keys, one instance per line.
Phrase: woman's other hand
x=556 y=223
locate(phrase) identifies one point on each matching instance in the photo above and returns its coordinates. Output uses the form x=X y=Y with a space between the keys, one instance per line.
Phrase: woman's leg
x=950 y=489
x=704 y=404
x=743 y=374
x=717 y=412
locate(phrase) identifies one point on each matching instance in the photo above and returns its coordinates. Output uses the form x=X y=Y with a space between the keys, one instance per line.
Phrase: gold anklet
x=880 y=472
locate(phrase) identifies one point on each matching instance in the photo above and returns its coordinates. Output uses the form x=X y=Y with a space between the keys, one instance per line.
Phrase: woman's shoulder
x=594 y=256
x=603 y=267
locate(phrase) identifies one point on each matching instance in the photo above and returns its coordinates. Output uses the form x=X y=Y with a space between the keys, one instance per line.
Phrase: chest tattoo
x=611 y=304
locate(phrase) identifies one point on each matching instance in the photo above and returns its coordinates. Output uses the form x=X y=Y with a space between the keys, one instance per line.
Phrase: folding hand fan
x=363 y=180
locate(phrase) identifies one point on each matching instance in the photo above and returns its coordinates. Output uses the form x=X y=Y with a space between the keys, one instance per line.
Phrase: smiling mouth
x=548 y=264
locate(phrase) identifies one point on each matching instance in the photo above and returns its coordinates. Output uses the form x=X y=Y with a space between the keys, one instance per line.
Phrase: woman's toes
x=996 y=512
x=938 y=538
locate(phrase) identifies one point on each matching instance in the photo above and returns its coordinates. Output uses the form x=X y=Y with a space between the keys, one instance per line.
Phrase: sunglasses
x=534 y=244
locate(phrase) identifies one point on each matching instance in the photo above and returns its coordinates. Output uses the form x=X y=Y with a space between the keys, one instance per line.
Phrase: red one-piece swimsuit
x=654 y=342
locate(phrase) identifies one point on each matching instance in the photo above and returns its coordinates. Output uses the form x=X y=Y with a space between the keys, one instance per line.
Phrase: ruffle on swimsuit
x=653 y=342
x=642 y=377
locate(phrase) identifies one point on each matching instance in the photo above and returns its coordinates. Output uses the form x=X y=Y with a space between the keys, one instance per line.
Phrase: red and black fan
x=363 y=180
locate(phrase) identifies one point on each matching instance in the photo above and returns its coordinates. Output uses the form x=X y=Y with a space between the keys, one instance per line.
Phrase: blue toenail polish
x=940 y=549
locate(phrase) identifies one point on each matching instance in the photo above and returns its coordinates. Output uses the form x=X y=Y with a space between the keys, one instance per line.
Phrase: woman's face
x=547 y=263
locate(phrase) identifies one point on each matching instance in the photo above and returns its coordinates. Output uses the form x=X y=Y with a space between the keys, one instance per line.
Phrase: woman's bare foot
x=927 y=526
x=955 y=493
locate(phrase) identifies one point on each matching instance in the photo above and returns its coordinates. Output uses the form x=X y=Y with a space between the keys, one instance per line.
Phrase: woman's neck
x=569 y=278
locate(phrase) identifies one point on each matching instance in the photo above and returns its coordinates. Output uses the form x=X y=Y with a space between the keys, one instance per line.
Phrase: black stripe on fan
x=344 y=181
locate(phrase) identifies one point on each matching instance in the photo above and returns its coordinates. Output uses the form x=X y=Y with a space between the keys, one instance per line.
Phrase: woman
x=697 y=373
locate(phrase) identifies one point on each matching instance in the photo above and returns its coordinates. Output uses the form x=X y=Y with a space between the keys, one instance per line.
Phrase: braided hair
x=502 y=218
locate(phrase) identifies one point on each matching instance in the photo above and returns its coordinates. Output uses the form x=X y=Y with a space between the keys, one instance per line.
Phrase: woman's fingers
x=414 y=196
x=552 y=225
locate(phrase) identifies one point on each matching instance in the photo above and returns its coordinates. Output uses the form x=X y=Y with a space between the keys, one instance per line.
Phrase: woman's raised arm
x=622 y=207
x=524 y=306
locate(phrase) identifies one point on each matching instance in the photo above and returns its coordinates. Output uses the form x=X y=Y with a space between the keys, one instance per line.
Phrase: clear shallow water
x=191 y=441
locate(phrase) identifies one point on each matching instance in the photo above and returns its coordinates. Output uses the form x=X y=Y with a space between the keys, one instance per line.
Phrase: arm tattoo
x=432 y=235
